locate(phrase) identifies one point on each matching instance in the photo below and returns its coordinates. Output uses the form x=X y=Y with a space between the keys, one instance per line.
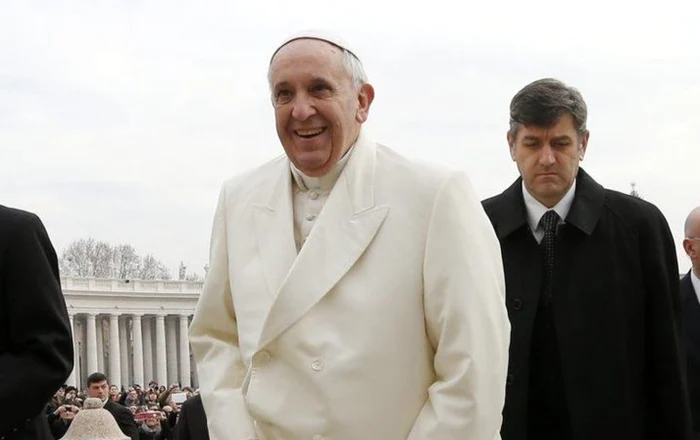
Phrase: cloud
x=120 y=120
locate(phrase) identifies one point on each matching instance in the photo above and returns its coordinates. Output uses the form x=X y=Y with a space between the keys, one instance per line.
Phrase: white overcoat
x=390 y=323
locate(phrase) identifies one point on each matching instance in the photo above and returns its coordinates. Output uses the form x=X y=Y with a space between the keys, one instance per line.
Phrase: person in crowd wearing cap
x=93 y=422
x=591 y=288
x=352 y=293
x=690 y=294
x=36 y=342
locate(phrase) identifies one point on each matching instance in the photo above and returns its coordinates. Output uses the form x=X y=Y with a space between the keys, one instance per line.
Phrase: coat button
x=314 y=195
x=517 y=304
x=264 y=357
x=510 y=379
x=317 y=365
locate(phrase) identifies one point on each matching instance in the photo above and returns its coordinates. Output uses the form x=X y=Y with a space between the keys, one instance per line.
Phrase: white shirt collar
x=325 y=182
x=696 y=283
x=535 y=209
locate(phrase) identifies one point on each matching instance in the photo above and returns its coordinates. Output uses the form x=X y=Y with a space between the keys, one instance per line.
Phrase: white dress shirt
x=696 y=284
x=535 y=210
x=310 y=195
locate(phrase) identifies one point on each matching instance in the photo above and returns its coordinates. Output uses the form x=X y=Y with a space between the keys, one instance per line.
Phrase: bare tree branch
x=90 y=258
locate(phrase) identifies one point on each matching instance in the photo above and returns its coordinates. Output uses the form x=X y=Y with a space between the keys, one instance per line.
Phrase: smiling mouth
x=309 y=133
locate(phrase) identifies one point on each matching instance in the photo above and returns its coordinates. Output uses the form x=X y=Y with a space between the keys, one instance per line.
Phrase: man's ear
x=688 y=247
x=511 y=144
x=365 y=98
x=584 y=145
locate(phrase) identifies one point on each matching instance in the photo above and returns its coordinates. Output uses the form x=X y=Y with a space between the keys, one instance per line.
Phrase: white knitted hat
x=94 y=423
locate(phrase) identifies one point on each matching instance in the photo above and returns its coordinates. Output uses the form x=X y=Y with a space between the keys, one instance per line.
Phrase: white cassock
x=389 y=323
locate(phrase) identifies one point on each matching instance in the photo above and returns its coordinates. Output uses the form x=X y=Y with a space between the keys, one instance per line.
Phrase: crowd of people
x=143 y=413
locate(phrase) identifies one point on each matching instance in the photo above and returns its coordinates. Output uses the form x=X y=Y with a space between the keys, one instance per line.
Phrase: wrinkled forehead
x=564 y=126
x=307 y=61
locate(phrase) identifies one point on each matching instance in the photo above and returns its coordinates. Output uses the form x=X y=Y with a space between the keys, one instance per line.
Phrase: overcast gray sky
x=119 y=120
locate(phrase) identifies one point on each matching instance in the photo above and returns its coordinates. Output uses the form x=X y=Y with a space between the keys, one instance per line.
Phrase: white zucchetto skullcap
x=317 y=34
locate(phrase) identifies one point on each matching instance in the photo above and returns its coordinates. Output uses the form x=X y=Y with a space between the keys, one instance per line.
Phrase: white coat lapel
x=346 y=226
x=274 y=228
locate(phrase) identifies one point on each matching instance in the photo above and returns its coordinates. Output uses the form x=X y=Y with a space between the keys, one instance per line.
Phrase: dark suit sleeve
x=126 y=422
x=166 y=432
x=58 y=427
x=36 y=348
x=180 y=432
x=668 y=416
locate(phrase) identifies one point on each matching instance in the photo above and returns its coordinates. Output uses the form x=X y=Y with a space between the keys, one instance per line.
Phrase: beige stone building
x=134 y=331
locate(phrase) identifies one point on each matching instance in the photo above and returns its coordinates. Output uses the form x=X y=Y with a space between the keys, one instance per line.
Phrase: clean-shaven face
x=99 y=390
x=548 y=158
x=318 y=110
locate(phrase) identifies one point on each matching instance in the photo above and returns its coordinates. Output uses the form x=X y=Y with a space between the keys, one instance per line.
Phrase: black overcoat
x=616 y=311
x=36 y=344
x=691 y=324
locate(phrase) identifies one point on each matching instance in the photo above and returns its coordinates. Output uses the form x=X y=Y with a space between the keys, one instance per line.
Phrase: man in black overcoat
x=690 y=292
x=591 y=288
x=36 y=342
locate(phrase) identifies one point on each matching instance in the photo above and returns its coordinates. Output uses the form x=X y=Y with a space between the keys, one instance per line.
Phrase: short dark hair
x=543 y=102
x=96 y=378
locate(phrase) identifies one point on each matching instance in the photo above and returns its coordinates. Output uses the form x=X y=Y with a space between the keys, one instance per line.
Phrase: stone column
x=148 y=374
x=195 y=375
x=99 y=322
x=161 y=368
x=73 y=373
x=171 y=338
x=184 y=353
x=138 y=349
x=91 y=344
x=114 y=355
x=124 y=351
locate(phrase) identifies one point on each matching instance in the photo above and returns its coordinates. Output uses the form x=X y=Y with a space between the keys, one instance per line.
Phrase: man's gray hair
x=353 y=66
x=543 y=102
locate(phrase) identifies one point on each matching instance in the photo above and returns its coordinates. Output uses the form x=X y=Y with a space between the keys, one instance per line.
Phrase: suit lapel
x=274 y=229
x=346 y=226
x=509 y=211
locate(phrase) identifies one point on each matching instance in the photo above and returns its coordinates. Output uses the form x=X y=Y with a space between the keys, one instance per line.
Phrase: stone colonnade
x=132 y=348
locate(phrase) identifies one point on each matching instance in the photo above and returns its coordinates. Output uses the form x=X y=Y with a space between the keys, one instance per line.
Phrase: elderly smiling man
x=353 y=293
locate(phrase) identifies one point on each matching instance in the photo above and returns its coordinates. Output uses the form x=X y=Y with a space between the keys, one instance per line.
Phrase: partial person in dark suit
x=192 y=423
x=690 y=293
x=591 y=289
x=36 y=343
x=98 y=386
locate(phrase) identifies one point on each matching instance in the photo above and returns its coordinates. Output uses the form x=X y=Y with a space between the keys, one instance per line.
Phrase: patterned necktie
x=548 y=223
